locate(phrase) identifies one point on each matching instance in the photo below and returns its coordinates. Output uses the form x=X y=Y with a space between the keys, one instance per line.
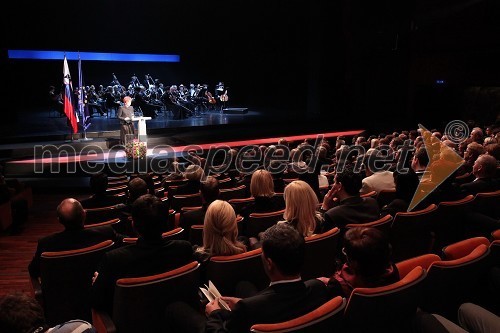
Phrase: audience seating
x=233 y=193
x=226 y=271
x=462 y=248
x=424 y=261
x=117 y=182
x=258 y=222
x=326 y=318
x=495 y=253
x=139 y=303
x=174 y=234
x=383 y=224
x=320 y=255
x=113 y=222
x=385 y=197
x=385 y=309
x=239 y=204
x=185 y=200
x=116 y=190
x=495 y=235
x=410 y=233
x=66 y=277
x=450 y=283
x=196 y=234
x=371 y=194
x=102 y=214
x=117 y=177
x=451 y=220
x=171 y=185
x=281 y=199
x=487 y=204
x=225 y=183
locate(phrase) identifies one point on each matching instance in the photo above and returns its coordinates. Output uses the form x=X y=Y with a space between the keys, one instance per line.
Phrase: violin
x=211 y=99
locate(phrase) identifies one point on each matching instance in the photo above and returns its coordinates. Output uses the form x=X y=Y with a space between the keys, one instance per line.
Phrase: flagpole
x=81 y=101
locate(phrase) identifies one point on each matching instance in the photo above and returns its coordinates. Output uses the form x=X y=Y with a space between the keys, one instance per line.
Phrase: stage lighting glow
x=93 y=56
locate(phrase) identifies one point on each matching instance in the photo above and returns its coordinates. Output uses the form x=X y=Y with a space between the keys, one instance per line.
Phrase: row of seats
x=432 y=283
x=226 y=272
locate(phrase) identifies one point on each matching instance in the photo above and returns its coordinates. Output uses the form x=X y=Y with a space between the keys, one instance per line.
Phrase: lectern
x=141 y=128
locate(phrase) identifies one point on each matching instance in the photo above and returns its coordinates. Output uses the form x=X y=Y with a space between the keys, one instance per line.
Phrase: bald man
x=71 y=215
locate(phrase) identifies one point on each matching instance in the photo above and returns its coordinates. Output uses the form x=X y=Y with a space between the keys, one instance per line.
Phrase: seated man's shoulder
x=181 y=244
x=73 y=326
x=369 y=201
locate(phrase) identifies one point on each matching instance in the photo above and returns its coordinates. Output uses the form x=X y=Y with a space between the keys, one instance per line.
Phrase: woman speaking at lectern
x=125 y=114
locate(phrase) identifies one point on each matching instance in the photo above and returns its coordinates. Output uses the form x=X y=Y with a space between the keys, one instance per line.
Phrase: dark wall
x=356 y=63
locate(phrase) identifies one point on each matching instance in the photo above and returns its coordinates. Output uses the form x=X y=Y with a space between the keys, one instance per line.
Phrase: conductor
x=125 y=114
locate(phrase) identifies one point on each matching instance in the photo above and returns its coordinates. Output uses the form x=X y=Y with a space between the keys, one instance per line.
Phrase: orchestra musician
x=94 y=101
x=55 y=101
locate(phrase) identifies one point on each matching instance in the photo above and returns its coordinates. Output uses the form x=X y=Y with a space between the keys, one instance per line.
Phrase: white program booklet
x=212 y=293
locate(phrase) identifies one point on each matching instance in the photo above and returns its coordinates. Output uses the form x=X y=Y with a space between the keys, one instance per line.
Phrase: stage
x=42 y=146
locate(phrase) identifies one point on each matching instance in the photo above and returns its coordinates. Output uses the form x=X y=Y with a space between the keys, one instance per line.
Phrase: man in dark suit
x=484 y=171
x=72 y=216
x=349 y=206
x=286 y=297
x=209 y=191
x=150 y=255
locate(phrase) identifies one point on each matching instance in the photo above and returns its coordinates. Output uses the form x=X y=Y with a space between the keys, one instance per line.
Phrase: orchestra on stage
x=151 y=97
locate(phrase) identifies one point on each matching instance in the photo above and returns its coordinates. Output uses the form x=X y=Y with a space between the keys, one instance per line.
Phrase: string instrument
x=224 y=97
x=211 y=99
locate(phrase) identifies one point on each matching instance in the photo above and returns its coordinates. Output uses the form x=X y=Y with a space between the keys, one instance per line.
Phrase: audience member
x=476 y=319
x=71 y=215
x=262 y=190
x=209 y=191
x=406 y=186
x=420 y=161
x=473 y=151
x=99 y=197
x=377 y=178
x=287 y=296
x=484 y=171
x=194 y=174
x=20 y=313
x=343 y=205
x=220 y=233
x=367 y=264
x=150 y=255
x=301 y=204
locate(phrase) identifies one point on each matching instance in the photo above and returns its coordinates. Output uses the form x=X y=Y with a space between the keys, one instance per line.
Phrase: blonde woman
x=301 y=208
x=220 y=232
x=262 y=190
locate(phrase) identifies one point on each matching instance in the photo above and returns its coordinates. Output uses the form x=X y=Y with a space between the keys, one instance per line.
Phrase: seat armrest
x=102 y=322
x=36 y=289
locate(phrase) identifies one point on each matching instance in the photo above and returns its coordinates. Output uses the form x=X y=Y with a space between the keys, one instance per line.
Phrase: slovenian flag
x=68 y=104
